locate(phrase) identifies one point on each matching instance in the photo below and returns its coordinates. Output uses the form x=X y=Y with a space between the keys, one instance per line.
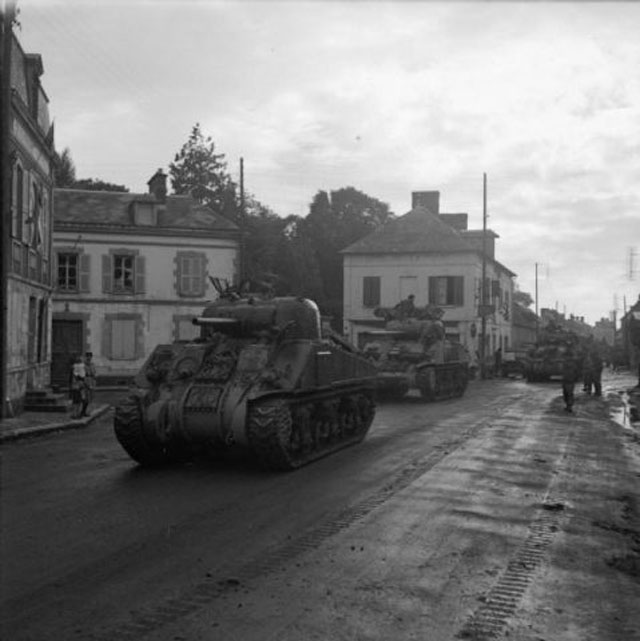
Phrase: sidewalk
x=30 y=424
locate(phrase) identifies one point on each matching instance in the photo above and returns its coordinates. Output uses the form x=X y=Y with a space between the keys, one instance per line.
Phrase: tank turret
x=260 y=376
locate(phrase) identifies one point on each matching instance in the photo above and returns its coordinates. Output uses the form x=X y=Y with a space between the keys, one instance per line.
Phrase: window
x=446 y=290
x=73 y=271
x=68 y=272
x=123 y=272
x=190 y=273
x=371 y=291
x=123 y=337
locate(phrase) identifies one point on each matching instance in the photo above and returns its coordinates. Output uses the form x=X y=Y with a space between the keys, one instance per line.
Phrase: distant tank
x=413 y=353
x=546 y=359
x=261 y=377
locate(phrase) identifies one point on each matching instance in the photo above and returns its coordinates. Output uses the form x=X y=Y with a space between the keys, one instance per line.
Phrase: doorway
x=67 y=340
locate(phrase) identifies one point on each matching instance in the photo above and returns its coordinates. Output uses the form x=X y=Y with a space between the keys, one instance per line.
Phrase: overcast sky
x=387 y=97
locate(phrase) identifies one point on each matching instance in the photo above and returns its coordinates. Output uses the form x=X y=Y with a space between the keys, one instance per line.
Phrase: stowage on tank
x=260 y=376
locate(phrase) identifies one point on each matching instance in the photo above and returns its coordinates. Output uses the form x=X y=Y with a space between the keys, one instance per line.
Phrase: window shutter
x=458 y=290
x=200 y=285
x=371 y=291
x=106 y=338
x=140 y=274
x=365 y=291
x=84 y=264
x=139 y=338
x=433 y=290
x=107 y=273
x=179 y=271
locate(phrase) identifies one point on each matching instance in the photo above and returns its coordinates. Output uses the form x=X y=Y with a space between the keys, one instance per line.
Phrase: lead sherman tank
x=261 y=376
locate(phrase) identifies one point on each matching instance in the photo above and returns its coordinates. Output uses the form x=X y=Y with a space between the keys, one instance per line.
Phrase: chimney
x=158 y=186
x=428 y=199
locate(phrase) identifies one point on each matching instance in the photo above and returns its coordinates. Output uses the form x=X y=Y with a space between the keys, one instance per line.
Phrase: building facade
x=131 y=272
x=437 y=259
x=28 y=158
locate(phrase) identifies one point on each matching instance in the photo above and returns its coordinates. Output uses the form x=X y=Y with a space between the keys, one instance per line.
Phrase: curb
x=68 y=424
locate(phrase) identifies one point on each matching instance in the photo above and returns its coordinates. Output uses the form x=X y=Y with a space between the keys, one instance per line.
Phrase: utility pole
x=243 y=248
x=483 y=289
x=537 y=319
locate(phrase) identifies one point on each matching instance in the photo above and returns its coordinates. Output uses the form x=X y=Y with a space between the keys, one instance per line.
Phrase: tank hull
x=254 y=380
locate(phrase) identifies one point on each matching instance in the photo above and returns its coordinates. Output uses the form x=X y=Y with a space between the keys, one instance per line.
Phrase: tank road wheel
x=285 y=437
x=270 y=432
x=127 y=424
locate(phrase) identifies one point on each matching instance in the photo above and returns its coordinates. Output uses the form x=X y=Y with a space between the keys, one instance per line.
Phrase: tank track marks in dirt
x=286 y=433
x=442 y=382
x=129 y=431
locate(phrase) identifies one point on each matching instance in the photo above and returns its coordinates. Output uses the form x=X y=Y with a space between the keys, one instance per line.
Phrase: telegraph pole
x=537 y=320
x=243 y=248
x=483 y=288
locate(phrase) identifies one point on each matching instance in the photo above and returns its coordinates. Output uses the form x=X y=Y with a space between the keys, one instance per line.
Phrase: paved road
x=491 y=515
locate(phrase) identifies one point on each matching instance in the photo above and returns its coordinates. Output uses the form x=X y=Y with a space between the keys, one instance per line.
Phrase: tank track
x=128 y=427
x=287 y=433
x=451 y=382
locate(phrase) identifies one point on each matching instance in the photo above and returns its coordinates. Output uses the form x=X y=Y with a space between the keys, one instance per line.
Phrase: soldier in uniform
x=406 y=308
x=569 y=377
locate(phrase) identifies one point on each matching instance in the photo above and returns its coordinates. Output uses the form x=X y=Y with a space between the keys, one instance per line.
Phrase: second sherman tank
x=260 y=376
x=412 y=352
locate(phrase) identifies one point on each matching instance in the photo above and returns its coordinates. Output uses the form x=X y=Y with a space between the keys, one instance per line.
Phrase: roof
x=418 y=231
x=87 y=207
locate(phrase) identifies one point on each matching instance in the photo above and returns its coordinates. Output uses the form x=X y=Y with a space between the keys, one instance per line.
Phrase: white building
x=131 y=271
x=435 y=257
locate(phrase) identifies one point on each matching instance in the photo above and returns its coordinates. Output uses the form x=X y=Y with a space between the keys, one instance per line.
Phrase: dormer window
x=144 y=214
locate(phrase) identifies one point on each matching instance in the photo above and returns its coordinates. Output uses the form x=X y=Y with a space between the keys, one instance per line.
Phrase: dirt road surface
x=494 y=516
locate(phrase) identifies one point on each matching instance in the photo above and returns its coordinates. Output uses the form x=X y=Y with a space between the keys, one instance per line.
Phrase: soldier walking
x=569 y=378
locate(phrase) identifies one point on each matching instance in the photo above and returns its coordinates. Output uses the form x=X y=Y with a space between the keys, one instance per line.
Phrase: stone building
x=28 y=158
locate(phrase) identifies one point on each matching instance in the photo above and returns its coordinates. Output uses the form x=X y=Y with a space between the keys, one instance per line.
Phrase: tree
x=64 y=169
x=65 y=176
x=522 y=298
x=336 y=220
x=199 y=171
x=95 y=184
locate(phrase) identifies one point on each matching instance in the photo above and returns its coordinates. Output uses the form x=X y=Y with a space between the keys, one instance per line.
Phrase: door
x=66 y=342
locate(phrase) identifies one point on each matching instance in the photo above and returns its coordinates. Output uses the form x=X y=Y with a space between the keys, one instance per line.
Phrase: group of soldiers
x=586 y=365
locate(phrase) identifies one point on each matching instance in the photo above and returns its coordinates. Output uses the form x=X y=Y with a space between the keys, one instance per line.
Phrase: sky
x=386 y=97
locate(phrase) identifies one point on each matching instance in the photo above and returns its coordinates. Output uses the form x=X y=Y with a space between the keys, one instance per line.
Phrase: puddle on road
x=625 y=412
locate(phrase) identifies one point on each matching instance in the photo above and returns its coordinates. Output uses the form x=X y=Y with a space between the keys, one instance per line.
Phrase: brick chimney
x=428 y=199
x=158 y=185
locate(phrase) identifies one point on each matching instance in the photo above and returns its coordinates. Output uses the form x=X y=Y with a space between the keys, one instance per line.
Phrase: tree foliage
x=202 y=173
x=65 y=176
x=336 y=220
x=64 y=169
x=522 y=298
x=95 y=184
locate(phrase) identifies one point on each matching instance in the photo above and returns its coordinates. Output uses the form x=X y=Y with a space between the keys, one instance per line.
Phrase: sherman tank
x=546 y=359
x=261 y=376
x=411 y=352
